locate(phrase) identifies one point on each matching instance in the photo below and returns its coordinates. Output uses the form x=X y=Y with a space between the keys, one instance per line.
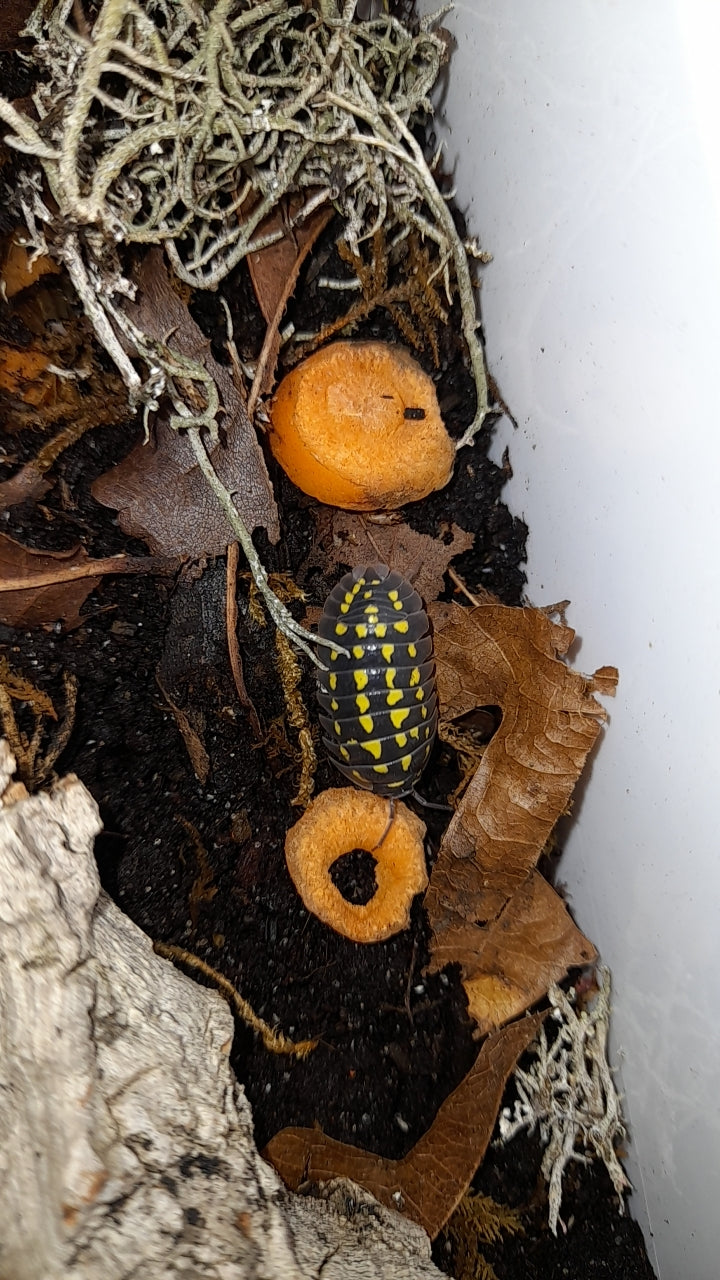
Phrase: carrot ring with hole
x=339 y=821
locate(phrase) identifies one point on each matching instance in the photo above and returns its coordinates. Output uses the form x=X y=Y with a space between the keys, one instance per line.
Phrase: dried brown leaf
x=28 y=484
x=516 y=959
x=274 y=270
x=158 y=490
x=355 y=540
x=488 y=911
x=430 y=1181
x=38 y=606
x=162 y=497
x=191 y=724
x=274 y=273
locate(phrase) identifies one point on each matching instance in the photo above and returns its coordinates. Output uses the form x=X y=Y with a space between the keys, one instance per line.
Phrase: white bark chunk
x=126 y=1144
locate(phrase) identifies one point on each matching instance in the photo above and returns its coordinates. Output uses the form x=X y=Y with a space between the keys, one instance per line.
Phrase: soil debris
x=431 y=1180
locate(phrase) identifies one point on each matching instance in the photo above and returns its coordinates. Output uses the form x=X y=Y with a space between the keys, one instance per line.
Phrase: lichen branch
x=568 y=1092
x=279 y=612
x=184 y=124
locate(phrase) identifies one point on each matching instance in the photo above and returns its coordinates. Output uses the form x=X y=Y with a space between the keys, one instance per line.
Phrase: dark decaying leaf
x=162 y=497
x=347 y=538
x=158 y=490
x=430 y=1181
x=41 y=606
x=488 y=911
x=25 y=486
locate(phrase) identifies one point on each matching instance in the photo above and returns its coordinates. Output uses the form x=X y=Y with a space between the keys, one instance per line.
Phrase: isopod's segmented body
x=379 y=705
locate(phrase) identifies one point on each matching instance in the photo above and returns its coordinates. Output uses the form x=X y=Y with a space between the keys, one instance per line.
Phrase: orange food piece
x=343 y=819
x=358 y=425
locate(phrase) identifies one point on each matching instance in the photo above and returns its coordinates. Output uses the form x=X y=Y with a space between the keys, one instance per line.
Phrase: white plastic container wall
x=585 y=139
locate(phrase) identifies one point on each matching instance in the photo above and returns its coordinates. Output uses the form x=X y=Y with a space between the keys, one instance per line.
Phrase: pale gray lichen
x=567 y=1092
x=185 y=123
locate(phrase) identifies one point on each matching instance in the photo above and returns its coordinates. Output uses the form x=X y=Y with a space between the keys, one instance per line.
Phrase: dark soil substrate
x=393 y=1043
x=594 y=1243
x=203 y=867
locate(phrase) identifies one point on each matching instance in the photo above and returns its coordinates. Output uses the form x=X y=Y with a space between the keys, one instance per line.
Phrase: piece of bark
x=127 y=1143
x=274 y=269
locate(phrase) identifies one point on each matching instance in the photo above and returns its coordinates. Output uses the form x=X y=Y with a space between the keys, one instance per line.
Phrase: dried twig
x=231 y=620
x=162 y=566
x=275 y=1041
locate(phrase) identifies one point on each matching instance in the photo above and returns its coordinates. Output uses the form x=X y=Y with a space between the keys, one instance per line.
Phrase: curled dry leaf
x=489 y=911
x=39 y=606
x=354 y=539
x=275 y=272
x=158 y=490
x=429 y=1183
x=274 y=269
